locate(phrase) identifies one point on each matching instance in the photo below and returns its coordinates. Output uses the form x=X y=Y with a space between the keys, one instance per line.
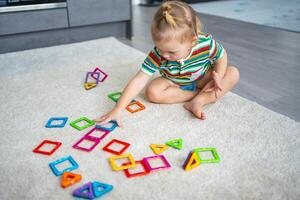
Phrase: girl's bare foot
x=196 y=109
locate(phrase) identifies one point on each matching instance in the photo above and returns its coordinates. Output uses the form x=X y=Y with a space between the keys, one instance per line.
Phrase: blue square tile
x=61 y=125
x=68 y=158
x=113 y=125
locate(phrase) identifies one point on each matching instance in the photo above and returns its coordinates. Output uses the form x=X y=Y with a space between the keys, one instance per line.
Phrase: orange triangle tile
x=192 y=161
x=69 y=178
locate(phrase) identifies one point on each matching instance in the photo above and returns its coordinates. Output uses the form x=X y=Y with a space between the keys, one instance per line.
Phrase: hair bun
x=165 y=12
x=166 y=8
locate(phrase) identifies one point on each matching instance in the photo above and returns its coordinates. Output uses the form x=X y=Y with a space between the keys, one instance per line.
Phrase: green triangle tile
x=176 y=144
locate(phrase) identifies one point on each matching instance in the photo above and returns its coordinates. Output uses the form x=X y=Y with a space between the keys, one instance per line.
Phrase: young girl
x=193 y=66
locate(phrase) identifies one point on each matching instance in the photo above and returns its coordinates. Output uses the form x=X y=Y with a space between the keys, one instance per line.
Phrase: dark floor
x=268 y=58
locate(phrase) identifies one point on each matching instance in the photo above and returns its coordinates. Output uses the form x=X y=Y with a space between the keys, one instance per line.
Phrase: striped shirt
x=202 y=56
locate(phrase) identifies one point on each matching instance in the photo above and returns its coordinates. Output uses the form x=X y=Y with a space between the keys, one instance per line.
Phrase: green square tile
x=216 y=158
x=80 y=128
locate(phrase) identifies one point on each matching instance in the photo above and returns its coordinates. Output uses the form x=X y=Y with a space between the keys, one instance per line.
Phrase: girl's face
x=174 y=50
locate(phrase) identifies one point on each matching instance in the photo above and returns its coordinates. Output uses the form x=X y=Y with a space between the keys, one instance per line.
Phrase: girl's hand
x=114 y=114
x=216 y=86
x=131 y=90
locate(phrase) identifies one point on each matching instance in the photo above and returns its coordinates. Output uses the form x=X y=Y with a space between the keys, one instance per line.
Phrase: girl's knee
x=234 y=73
x=152 y=94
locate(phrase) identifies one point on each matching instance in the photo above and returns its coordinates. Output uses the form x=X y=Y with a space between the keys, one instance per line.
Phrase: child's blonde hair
x=177 y=16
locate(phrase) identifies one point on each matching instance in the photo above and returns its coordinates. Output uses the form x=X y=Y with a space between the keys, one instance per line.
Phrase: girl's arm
x=221 y=65
x=132 y=89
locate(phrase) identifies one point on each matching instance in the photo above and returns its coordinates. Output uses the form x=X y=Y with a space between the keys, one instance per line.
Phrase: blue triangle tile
x=101 y=188
x=85 y=191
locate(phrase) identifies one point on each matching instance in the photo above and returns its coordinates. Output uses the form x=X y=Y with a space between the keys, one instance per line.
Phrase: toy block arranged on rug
x=52 y=122
x=88 y=86
x=86 y=144
x=97 y=133
x=132 y=172
x=161 y=158
x=100 y=189
x=213 y=151
x=102 y=76
x=116 y=167
x=191 y=161
x=115 y=96
x=57 y=172
x=158 y=148
x=92 y=190
x=110 y=126
x=85 y=191
x=176 y=144
x=39 y=149
x=111 y=149
x=75 y=125
x=90 y=140
x=91 y=80
x=132 y=107
x=69 y=178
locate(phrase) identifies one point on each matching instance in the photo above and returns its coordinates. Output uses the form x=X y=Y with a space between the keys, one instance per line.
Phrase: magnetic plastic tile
x=139 y=104
x=95 y=142
x=161 y=157
x=114 y=165
x=65 y=159
x=88 y=86
x=100 y=189
x=96 y=130
x=85 y=191
x=158 y=148
x=56 y=145
x=93 y=75
x=92 y=190
x=176 y=144
x=80 y=128
x=101 y=73
x=142 y=173
x=69 y=178
x=88 y=137
x=114 y=96
x=213 y=150
x=53 y=119
x=191 y=161
x=108 y=149
x=91 y=84
x=113 y=125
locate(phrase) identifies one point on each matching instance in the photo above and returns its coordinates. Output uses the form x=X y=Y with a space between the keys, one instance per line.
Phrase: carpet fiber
x=259 y=149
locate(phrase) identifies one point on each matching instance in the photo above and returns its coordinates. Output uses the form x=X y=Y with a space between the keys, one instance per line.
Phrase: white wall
x=135 y=2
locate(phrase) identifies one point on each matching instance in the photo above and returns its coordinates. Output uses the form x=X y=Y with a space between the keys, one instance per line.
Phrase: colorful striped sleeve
x=216 y=50
x=151 y=63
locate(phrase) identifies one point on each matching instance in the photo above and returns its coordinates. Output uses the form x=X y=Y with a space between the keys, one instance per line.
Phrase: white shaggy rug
x=259 y=149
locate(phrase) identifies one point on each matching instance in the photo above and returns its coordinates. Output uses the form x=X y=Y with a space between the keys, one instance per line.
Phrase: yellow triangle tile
x=88 y=86
x=192 y=161
x=158 y=148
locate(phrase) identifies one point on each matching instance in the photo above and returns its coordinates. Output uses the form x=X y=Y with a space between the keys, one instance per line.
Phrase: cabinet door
x=28 y=21
x=83 y=12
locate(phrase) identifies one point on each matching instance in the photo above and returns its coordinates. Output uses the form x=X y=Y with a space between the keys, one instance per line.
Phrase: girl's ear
x=194 y=40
